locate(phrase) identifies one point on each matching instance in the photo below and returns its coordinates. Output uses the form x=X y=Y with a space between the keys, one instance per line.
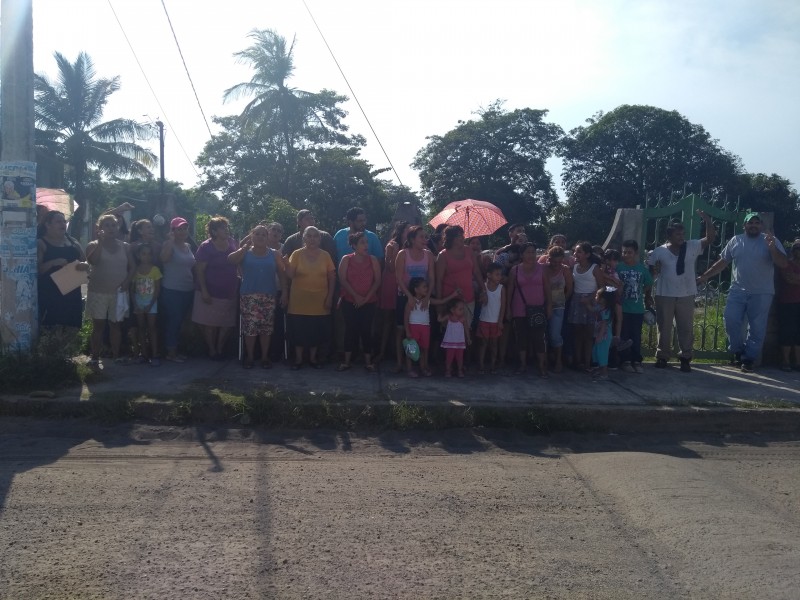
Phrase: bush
x=49 y=365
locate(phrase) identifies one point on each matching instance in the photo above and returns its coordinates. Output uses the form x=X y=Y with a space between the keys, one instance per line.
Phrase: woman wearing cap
x=789 y=309
x=177 y=284
x=216 y=294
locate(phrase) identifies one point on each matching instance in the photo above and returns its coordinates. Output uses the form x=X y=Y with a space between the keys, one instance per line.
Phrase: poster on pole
x=18 y=264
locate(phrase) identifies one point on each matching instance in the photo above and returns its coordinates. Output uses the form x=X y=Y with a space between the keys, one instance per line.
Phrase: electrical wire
x=186 y=68
x=152 y=91
x=353 y=93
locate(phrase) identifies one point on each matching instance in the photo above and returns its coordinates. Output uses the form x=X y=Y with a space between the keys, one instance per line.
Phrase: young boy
x=637 y=284
x=490 y=325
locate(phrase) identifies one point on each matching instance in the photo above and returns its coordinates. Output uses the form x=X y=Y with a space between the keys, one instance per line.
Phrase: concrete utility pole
x=18 y=264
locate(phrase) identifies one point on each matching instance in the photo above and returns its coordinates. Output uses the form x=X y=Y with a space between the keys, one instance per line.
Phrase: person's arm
x=569 y=282
x=501 y=317
x=441 y=267
x=376 y=278
x=548 y=295
x=648 y=289
x=599 y=276
x=280 y=264
x=789 y=276
x=167 y=248
x=93 y=252
x=715 y=269
x=778 y=257
x=407 y=316
x=156 y=293
x=131 y=266
x=467 y=337
x=200 y=272
x=331 y=287
x=711 y=231
x=237 y=256
x=399 y=272
x=477 y=277
x=512 y=287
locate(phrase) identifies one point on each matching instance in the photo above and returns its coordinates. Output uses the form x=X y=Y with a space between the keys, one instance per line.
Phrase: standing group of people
x=582 y=308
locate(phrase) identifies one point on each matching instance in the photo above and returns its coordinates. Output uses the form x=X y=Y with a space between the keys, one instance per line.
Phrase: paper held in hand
x=67 y=278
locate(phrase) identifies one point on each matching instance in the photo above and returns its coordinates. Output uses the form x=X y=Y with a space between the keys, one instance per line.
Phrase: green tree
x=772 y=193
x=631 y=155
x=69 y=113
x=499 y=157
x=285 y=120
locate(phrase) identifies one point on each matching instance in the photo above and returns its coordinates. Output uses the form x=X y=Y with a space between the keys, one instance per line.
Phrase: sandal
x=342 y=367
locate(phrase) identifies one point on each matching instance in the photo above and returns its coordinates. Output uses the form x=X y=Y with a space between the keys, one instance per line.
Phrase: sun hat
x=411 y=349
x=177 y=222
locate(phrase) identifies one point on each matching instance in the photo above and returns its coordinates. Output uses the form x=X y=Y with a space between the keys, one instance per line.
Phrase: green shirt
x=634 y=279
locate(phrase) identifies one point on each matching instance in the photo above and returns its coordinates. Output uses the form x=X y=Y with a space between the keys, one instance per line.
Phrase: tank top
x=415 y=268
x=532 y=288
x=585 y=283
x=558 y=286
x=458 y=275
x=107 y=275
x=360 y=277
x=490 y=312
x=418 y=315
x=178 y=271
x=258 y=273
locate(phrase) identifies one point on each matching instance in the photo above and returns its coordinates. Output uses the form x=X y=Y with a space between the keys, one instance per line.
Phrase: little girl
x=603 y=307
x=490 y=323
x=456 y=336
x=145 y=288
x=417 y=320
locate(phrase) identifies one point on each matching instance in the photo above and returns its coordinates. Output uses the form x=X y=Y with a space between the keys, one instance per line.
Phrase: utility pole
x=160 y=126
x=18 y=264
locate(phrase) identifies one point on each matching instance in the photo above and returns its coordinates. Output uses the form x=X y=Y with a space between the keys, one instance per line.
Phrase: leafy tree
x=499 y=157
x=285 y=120
x=772 y=193
x=284 y=213
x=69 y=114
x=632 y=154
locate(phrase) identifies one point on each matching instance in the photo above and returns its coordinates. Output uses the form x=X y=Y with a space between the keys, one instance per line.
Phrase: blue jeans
x=554 y=326
x=632 y=330
x=174 y=306
x=752 y=309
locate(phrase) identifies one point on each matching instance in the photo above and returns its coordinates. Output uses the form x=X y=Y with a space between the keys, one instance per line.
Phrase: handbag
x=123 y=304
x=535 y=315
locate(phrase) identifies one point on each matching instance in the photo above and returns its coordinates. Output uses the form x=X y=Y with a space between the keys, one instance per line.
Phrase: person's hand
x=458 y=293
x=284 y=299
x=59 y=262
x=328 y=303
x=770 y=238
x=206 y=297
x=359 y=300
x=426 y=302
x=82 y=266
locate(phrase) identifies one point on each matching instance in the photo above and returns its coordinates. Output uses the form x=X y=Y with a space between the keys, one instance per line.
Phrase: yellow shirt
x=310 y=283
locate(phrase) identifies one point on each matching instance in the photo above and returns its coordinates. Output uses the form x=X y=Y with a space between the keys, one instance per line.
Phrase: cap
x=750 y=216
x=177 y=222
x=302 y=214
x=795 y=244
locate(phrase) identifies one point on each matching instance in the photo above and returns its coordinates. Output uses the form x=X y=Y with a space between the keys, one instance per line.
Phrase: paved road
x=147 y=512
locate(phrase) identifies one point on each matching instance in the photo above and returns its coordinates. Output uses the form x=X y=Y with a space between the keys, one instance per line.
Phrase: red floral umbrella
x=475 y=217
x=55 y=200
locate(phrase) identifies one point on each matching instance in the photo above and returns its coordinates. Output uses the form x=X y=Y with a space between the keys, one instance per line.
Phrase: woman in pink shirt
x=457 y=269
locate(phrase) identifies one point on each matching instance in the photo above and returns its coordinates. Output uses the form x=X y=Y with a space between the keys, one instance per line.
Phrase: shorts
x=140 y=303
x=488 y=330
x=421 y=334
x=102 y=307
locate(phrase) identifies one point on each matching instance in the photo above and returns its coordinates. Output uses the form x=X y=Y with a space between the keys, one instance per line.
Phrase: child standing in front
x=490 y=324
x=603 y=307
x=145 y=288
x=636 y=286
x=456 y=335
x=417 y=320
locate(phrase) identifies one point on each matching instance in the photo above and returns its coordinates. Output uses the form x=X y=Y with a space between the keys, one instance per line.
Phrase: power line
x=175 y=37
x=152 y=91
x=397 y=176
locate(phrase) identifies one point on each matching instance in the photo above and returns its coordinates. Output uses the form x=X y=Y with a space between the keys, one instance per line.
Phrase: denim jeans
x=175 y=306
x=632 y=330
x=554 y=326
x=752 y=309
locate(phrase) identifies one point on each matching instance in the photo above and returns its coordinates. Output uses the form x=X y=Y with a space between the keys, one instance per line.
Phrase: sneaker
x=637 y=368
x=685 y=366
x=627 y=368
x=661 y=363
x=736 y=360
x=747 y=366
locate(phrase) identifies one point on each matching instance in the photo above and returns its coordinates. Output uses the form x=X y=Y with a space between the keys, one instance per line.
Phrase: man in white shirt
x=676 y=288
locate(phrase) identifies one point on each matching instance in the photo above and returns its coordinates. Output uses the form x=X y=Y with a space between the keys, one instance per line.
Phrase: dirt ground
x=152 y=512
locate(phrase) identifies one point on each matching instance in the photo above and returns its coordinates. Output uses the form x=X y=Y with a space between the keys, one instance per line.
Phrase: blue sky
x=419 y=66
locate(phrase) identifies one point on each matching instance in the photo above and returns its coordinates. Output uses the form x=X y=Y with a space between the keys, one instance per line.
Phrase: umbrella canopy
x=55 y=200
x=475 y=217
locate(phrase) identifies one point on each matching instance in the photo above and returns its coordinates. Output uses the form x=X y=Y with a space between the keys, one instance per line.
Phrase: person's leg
x=152 y=332
x=449 y=356
x=141 y=335
x=367 y=314
x=539 y=339
x=758 y=306
x=493 y=354
x=665 y=313
x=115 y=337
x=482 y=344
x=209 y=335
x=521 y=335
x=169 y=306
x=222 y=338
x=264 y=341
x=734 y=314
x=298 y=356
x=250 y=348
x=684 y=324
x=350 y=332
x=460 y=361
x=632 y=330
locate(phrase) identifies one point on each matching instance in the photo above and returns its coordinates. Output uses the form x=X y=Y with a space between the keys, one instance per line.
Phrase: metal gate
x=710 y=341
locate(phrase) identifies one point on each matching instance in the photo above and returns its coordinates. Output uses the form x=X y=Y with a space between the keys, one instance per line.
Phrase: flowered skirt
x=258 y=314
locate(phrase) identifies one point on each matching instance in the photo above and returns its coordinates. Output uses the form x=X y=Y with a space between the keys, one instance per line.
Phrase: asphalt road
x=155 y=512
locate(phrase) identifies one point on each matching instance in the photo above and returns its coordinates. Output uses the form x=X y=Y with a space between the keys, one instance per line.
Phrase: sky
x=420 y=66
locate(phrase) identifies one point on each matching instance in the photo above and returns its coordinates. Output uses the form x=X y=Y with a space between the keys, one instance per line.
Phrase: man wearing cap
x=754 y=255
x=305 y=218
x=676 y=288
x=356 y=221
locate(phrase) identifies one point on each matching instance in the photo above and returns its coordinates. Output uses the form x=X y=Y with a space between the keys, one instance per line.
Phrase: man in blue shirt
x=357 y=221
x=754 y=255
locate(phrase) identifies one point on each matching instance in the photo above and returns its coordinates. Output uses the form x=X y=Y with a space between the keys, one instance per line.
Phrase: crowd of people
x=426 y=302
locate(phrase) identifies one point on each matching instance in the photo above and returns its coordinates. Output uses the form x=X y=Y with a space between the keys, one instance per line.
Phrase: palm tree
x=288 y=119
x=69 y=123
